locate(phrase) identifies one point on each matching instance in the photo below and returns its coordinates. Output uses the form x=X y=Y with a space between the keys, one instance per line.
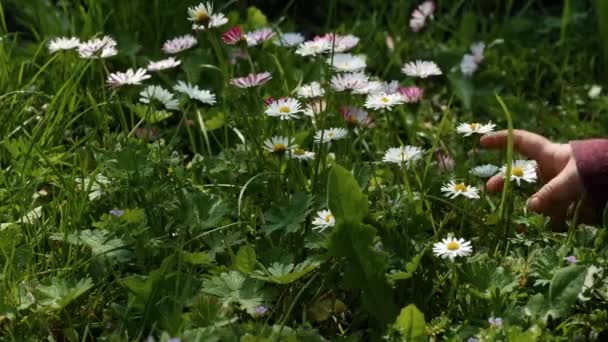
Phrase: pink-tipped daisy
x=251 y=80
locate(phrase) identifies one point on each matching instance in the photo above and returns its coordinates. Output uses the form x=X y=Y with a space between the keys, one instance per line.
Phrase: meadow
x=294 y=171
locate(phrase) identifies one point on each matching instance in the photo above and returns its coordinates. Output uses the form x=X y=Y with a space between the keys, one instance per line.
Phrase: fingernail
x=533 y=203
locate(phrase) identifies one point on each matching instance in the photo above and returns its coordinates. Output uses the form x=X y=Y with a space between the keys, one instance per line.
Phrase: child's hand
x=556 y=168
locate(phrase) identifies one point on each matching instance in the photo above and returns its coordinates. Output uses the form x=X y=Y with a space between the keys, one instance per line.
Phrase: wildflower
x=289 y=39
x=179 y=44
x=200 y=14
x=301 y=154
x=330 y=134
x=370 y=88
x=477 y=50
x=233 y=36
x=313 y=48
x=420 y=14
x=484 y=171
x=452 y=248
x=383 y=101
x=63 y=44
x=216 y=20
x=402 y=155
x=130 y=77
x=470 y=62
x=390 y=43
x=195 y=93
x=278 y=144
x=355 y=117
x=260 y=310
x=495 y=321
x=345 y=62
x=349 y=81
x=117 y=212
x=411 y=94
x=269 y=100
x=444 y=162
x=285 y=108
x=453 y=190
x=467 y=129
x=310 y=90
x=251 y=80
x=158 y=93
x=315 y=107
x=522 y=170
x=103 y=47
x=571 y=259
x=163 y=64
x=259 y=36
x=594 y=91
x=323 y=220
x=421 y=69
x=340 y=43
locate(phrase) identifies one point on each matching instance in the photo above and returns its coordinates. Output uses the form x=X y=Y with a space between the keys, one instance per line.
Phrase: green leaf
x=565 y=287
x=197 y=258
x=102 y=244
x=410 y=268
x=256 y=18
x=281 y=273
x=214 y=122
x=234 y=288
x=410 y=324
x=149 y=115
x=346 y=201
x=246 y=259
x=58 y=293
x=463 y=88
x=288 y=219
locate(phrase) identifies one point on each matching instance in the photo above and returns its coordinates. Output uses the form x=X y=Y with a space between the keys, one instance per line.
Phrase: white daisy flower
x=420 y=14
x=342 y=43
x=103 y=47
x=452 y=248
x=163 y=64
x=284 y=108
x=453 y=190
x=313 y=48
x=200 y=14
x=349 y=81
x=310 y=90
x=251 y=80
x=468 y=65
x=195 y=93
x=421 y=69
x=372 y=87
x=258 y=36
x=278 y=144
x=594 y=91
x=315 y=107
x=521 y=170
x=356 y=117
x=158 y=93
x=383 y=101
x=403 y=155
x=477 y=50
x=330 y=134
x=289 y=39
x=63 y=44
x=323 y=220
x=179 y=44
x=345 y=62
x=216 y=20
x=300 y=154
x=466 y=129
x=130 y=77
x=484 y=171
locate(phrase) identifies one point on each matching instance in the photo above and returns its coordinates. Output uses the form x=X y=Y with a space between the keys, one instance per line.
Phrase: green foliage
x=56 y=294
x=288 y=219
x=234 y=288
x=410 y=324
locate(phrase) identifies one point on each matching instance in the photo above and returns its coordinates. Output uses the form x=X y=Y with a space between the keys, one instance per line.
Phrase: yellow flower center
x=460 y=187
x=328 y=217
x=385 y=99
x=201 y=17
x=452 y=246
x=474 y=126
x=299 y=152
x=284 y=109
x=330 y=134
x=279 y=148
x=517 y=171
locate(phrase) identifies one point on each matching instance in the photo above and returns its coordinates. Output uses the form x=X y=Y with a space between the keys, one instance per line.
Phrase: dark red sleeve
x=592 y=162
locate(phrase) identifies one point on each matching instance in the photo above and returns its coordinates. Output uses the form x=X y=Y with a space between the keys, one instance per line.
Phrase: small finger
x=495 y=183
x=529 y=144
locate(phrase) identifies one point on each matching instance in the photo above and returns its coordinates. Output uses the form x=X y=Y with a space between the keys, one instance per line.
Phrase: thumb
x=558 y=193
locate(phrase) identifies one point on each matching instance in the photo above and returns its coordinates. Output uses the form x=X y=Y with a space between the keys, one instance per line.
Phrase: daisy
x=468 y=66
x=411 y=94
x=310 y=90
x=179 y=44
x=289 y=39
x=356 y=117
x=403 y=155
x=453 y=190
x=391 y=87
x=201 y=13
x=284 y=108
x=257 y=37
x=521 y=170
x=163 y=64
x=278 y=144
x=315 y=107
x=313 y=48
x=422 y=69
x=452 y=248
x=323 y=220
x=330 y=134
x=340 y=43
x=63 y=43
x=484 y=171
x=466 y=129
x=233 y=36
x=345 y=62
x=216 y=20
x=103 y=47
x=594 y=91
x=349 y=81
x=158 y=93
x=477 y=50
x=370 y=88
x=251 y=80
x=301 y=154
x=383 y=101
x=195 y=93
x=420 y=14
x=131 y=77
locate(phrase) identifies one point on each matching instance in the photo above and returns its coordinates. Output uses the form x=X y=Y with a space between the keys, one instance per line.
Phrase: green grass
x=214 y=226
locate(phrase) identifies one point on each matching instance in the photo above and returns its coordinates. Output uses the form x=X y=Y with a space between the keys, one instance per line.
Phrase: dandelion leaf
x=410 y=324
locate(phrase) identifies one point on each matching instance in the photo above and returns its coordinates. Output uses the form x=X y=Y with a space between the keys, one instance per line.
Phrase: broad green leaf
x=565 y=287
x=215 y=122
x=256 y=18
x=410 y=268
x=246 y=259
x=346 y=200
x=410 y=324
x=289 y=219
x=287 y=273
x=102 y=244
x=58 y=293
x=197 y=258
x=234 y=288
